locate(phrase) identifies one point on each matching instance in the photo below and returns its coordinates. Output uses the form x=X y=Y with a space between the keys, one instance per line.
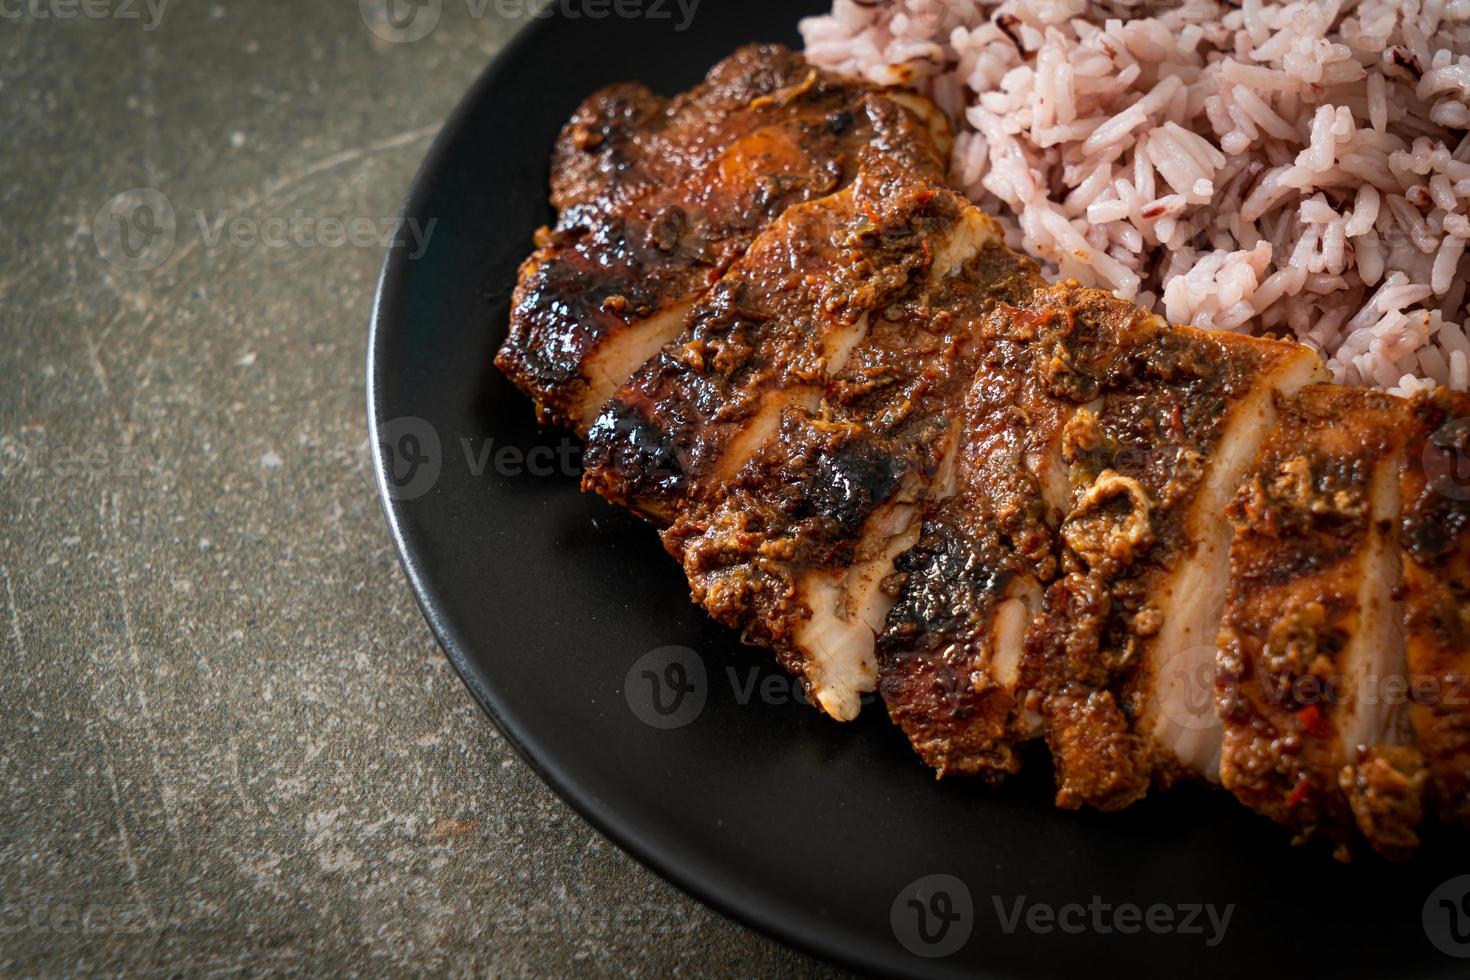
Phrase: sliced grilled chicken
x=950 y=655
x=1312 y=648
x=770 y=335
x=1120 y=661
x=657 y=199
x=846 y=383
x=1436 y=588
x=883 y=447
x=1178 y=662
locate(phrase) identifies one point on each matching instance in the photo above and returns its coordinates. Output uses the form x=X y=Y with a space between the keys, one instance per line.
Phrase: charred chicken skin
x=950 y=654
x=789 y=436
x=657 y=198
x=884 y=447
x=796 y=548
x=770 y=333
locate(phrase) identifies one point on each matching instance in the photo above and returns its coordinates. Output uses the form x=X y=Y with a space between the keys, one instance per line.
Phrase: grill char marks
x=795 y=548
x=1436 y=545
x=767 y=336
x=950 y=654
x=1312 y=636
x=937 y=653
x=800 y=504
x=608 y=152
x=656 y=199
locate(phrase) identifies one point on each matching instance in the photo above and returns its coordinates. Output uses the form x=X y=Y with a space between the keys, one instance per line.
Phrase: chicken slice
x=950 y=656
x=1312 y=649
x=769 y=337
x=1179 y=662
x=1436 y=539
x=1169 y=420
x=798 y=549
x=656 y=200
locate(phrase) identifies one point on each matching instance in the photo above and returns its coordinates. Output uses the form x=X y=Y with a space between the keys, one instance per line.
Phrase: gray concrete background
x=229 y=741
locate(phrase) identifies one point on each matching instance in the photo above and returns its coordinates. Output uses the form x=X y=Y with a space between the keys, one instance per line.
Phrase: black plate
x=557 y=611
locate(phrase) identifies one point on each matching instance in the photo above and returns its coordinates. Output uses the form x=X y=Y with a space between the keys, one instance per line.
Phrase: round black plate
x=559 y=613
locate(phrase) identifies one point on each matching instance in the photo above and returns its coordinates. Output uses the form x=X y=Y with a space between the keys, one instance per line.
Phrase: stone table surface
x=230 y=743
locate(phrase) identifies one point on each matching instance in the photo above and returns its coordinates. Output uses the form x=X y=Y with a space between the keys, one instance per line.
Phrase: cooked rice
x=1295 y=168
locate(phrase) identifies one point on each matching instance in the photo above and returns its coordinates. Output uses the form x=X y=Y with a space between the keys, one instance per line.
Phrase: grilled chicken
x=656 y=199
x=796 y=549
x=950 y=653
x=1312 y=676
x=1312 y=643
x=769 y=334
x=881 y=445
x=790 y=435
x=1120 y=660
x=1436 y=589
